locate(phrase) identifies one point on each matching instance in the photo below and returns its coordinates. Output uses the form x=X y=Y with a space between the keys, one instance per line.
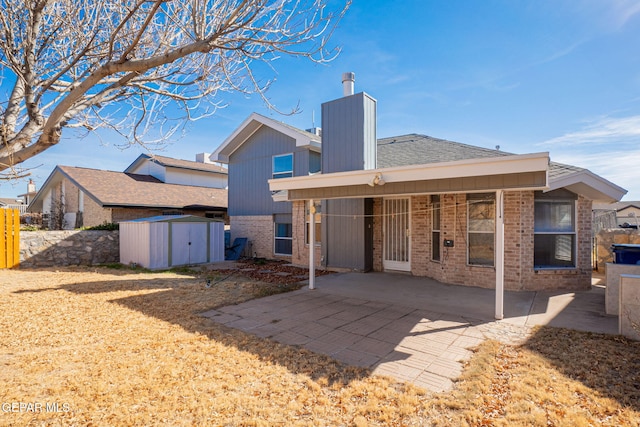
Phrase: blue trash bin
x=626 y=253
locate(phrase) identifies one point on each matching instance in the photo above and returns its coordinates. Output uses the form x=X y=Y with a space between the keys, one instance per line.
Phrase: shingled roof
x=120 y=189
x=415 y=149
x=179 y=163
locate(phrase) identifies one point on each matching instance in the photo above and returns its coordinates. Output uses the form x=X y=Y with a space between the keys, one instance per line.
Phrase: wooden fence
x=9 y=238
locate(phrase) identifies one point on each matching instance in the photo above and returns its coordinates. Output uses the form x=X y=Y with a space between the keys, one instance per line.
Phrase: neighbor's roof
x=618 y=206
x=177 y=163
x=7 y=201
x=121 y=189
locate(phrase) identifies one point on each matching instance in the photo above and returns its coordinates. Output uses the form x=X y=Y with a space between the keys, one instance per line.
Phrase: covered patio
x=486 y=175
x=422 y=332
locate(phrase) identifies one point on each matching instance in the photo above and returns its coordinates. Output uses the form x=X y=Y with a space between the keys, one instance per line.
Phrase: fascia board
x=232 y=142
x=140 y=159
x=51 y=179
x=609 y=190
x=535 y=162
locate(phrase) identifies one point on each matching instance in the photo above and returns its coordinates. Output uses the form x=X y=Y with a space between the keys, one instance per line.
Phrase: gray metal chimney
x=348 y=80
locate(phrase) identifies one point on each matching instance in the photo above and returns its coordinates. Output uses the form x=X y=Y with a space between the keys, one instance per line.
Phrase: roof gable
x=251 y=125
x=170 y=162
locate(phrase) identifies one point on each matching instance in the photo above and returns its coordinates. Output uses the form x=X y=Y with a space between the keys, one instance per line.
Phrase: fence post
x=9 y=238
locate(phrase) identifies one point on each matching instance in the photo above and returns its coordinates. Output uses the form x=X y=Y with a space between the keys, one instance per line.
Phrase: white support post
x=312 y=244
x=499 y=254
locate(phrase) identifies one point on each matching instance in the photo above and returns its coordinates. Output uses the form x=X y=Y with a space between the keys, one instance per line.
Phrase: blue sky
x=529 y=76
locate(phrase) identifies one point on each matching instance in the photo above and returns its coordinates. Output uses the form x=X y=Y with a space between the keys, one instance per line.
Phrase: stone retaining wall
x=606 y=238
x=68 y=247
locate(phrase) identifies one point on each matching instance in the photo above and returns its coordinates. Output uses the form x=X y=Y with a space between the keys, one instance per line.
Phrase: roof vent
x=348 y=80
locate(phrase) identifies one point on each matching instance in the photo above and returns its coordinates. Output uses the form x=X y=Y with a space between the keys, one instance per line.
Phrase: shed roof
x=173 y=218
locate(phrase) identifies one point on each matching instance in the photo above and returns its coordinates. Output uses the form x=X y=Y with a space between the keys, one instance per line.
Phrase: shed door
x=396 y=235
x=188 y=243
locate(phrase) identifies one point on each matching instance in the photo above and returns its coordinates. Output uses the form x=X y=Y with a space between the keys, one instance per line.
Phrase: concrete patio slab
x=413 y=329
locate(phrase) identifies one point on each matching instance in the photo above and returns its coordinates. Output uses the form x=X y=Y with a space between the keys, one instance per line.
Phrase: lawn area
x=126 y=347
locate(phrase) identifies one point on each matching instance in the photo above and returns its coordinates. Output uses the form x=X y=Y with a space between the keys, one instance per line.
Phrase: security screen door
x=396 y=235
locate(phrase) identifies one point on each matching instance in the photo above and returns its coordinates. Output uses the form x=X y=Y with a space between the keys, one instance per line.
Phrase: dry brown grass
x=129 y=348
x=559 y=377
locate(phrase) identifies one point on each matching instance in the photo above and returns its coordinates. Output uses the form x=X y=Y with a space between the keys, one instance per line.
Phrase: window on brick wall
x=435 y=228
x=555 y=229
x=283 y=238
x=318 y=224
x=481 y=216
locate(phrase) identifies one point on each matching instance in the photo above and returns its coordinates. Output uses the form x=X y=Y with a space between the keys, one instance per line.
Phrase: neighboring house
x=30 y=194
x=454 y=212
x=22 y=200
x=201 y=173
x=619 y=214
x=6 y=201
x=75 y=197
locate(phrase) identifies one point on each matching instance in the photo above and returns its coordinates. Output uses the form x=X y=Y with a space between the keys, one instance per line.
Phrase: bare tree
x=124 y=64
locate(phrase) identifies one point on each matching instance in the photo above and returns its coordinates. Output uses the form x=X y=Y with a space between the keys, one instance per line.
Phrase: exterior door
x=189 y=243
x=397 y=234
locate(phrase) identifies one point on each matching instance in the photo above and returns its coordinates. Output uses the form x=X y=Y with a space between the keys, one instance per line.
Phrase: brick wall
x=578 y=278
x=519 y=221
x=259 y=231
x=94 y=214
x=71 y=197
x=300 y=253
x=452 y=267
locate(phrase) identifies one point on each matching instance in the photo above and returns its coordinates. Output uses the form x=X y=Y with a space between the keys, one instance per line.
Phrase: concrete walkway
x=413 y=329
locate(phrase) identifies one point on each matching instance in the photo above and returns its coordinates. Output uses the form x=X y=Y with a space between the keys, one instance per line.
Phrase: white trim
x=232 y=142
x=499 y=254
x=536 y=162
x=280 y=196
x=275 y=237
x=574 y=233
x=433 y=230
x=273 y=164
x=468 y=214
x=589 y=185
x=312 y=250
x=389 y=264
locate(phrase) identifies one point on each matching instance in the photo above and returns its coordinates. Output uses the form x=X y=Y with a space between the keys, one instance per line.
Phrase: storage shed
x=171 y=240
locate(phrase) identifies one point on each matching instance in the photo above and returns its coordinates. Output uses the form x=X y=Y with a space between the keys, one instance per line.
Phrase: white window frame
x=573 y=233
x=276 y=238
x=493 y=233
x=281 y=174
x=436 y=206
